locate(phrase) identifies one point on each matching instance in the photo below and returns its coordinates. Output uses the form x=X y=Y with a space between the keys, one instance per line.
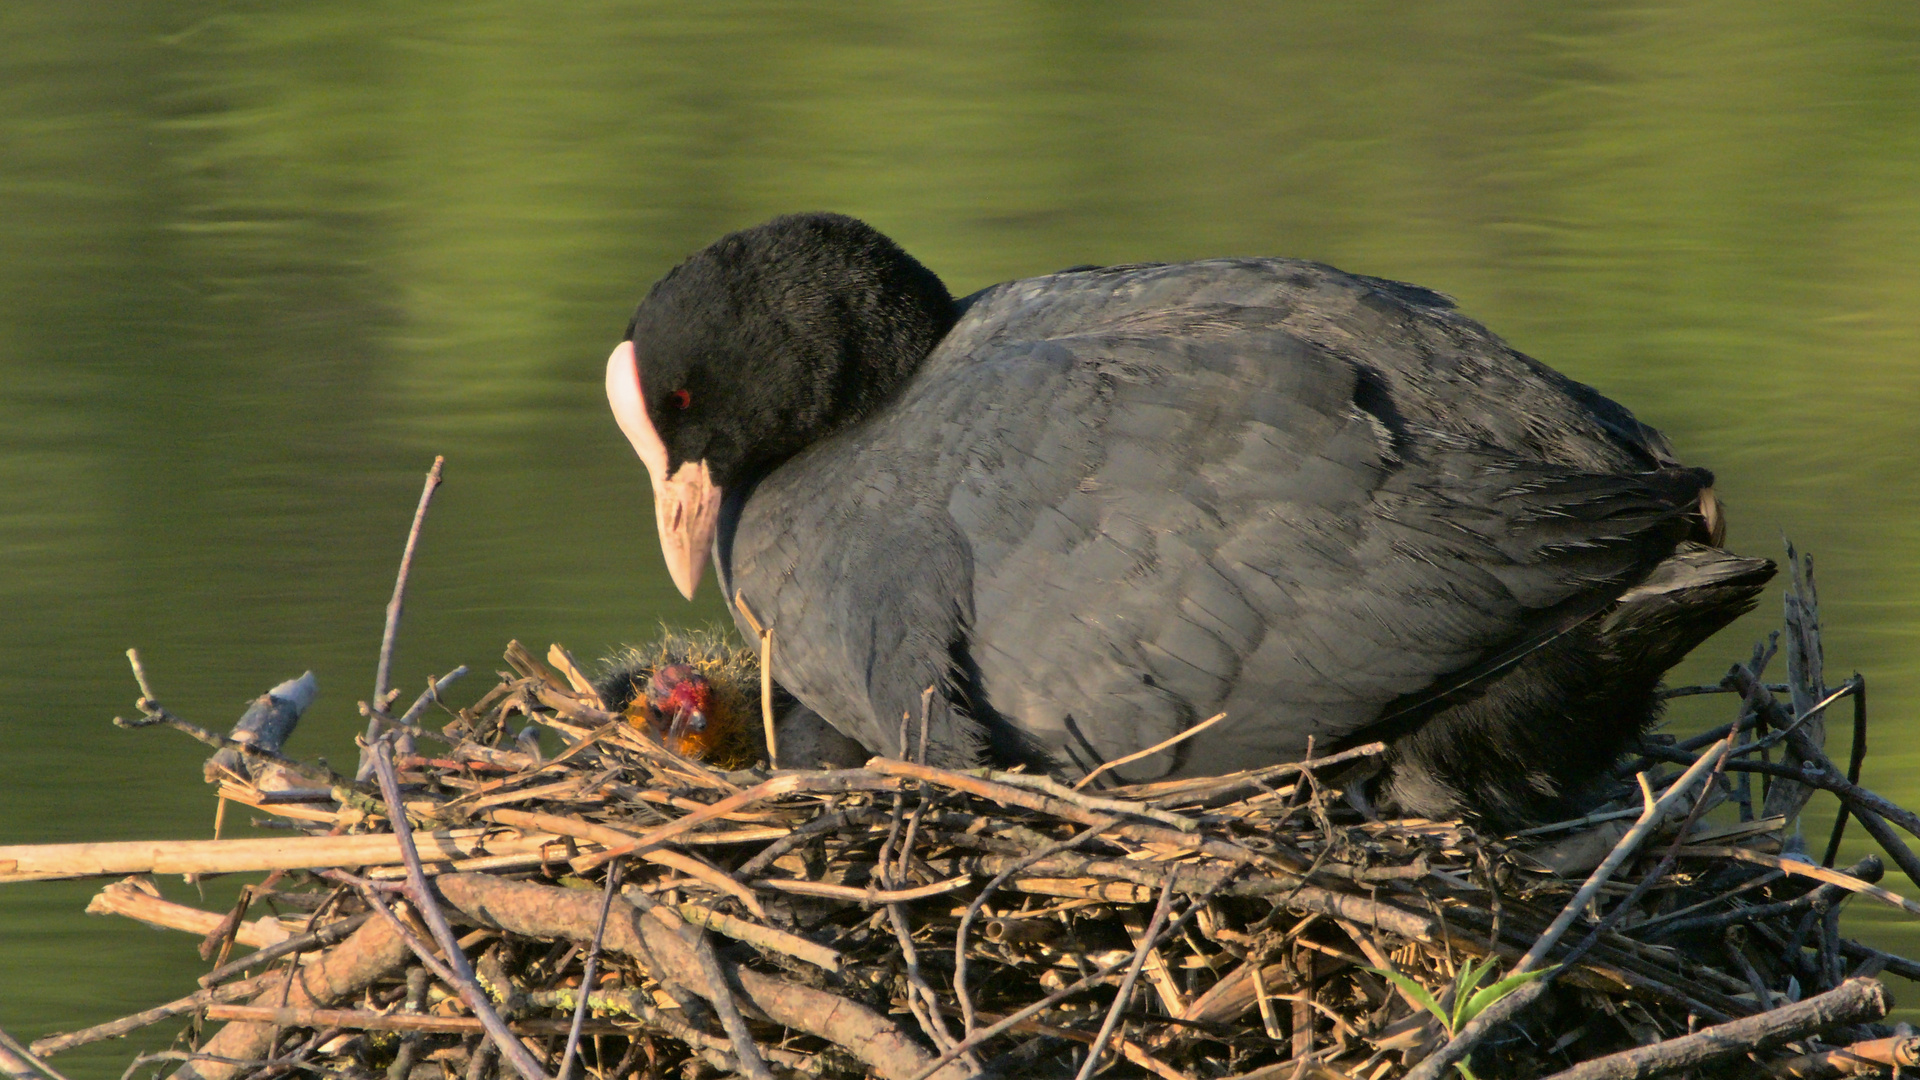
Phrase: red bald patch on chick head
x=680 y=710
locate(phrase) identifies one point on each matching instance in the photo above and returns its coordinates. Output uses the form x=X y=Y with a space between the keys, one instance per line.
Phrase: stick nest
x=902 y=921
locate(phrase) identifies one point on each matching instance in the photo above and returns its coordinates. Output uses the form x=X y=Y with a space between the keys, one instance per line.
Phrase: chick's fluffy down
x=732 y=738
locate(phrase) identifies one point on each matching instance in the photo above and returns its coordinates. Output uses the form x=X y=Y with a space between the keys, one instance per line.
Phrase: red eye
x=681 y=399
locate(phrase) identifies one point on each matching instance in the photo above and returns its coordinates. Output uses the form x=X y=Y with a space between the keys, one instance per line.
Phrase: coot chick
x=697 y=692
x=690 y=692
x=1094 y=508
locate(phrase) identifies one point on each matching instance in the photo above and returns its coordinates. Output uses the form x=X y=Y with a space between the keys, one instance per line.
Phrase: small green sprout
x=1470 y=999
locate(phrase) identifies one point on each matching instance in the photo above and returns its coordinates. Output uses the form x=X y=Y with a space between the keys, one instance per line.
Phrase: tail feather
x=1688 y=598
x=1536 y=739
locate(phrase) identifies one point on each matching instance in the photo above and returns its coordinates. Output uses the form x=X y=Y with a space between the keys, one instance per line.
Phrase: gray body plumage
x=1114 y=502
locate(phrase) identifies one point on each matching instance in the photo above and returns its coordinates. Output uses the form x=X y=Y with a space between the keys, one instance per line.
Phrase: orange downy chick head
x=680 y=711
x=708 y=672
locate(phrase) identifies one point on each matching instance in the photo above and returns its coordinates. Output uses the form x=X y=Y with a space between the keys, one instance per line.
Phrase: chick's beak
x=686 y=504
x=686 y=722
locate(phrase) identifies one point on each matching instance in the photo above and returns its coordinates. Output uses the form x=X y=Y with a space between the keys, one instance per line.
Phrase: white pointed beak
x=686 y=505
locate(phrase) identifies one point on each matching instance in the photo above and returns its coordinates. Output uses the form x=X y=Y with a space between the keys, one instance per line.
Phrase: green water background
x=260 y=262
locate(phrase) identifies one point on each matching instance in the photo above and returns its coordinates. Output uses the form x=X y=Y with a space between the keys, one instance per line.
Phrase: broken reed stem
x=1096 y=804
x=315 y=939
x=459 y=973
x=800 y=834
x=367 y=1020
x=383 y=674
x=869 y=897
x=1579 y=822
x=1202 y=789
x=17 y=1060
x=1149 y=751
x=980 y=901
x=1657 y=809
x=435 y=688
x=140 y=677
x=33 y=862
x=926 y=713
x=1122 y=999
x=762 y=937
x=587 y=971
x=744 y=1048
x=48 y=1045
x=383 y=671
x=1798 y=721
x=1816 y=770
x=610 y=837
x=1856 y=756
x=1659 y=872
x=1853 y=1001
x=927 y=1009
x=1660 y=922
x=1813 y=773
x=159 y=715
x=422 y=950
x=1463 y=1042
x=921 y=1001
x=1041 y=795
x=769 y=728
x=1013 y=1020
x=1804 y=869
x=835 y=781
x=764 y=634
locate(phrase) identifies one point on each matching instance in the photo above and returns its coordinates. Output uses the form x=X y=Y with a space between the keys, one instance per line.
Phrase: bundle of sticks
x=539 y=886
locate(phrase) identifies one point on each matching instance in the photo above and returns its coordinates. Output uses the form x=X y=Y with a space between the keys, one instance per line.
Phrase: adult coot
x=1092 y=509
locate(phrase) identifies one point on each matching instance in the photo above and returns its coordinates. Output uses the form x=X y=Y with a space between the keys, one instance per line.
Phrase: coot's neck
x=878 y=361
x=855 y=375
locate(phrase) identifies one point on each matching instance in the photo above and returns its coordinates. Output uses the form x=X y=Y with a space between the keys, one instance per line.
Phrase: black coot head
x=767 y=340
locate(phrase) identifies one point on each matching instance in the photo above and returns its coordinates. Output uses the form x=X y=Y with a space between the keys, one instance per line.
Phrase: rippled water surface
x=259 y=263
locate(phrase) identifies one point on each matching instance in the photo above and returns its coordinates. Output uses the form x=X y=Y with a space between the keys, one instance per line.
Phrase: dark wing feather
x=1115 y=503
